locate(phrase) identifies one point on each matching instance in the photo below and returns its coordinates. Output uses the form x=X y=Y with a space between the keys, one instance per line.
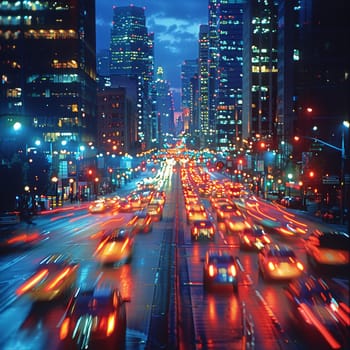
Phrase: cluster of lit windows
x=26 y=5
x=14 y=93
x=264 y=69
x=68 y=64
x=9 y=35
x=51 y=34
x=53 y=78
x=15 y=20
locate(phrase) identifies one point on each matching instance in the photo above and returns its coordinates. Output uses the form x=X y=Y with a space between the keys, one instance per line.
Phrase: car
x=124 y=206
x=216 y=202
x=55 y=277
x=202 y=229
x=155 y=211
x=135 y=201
x=316 y=311
x=95 y=318
x=19 y=237
x=328 y=250
x=98 y=206
x=116 y=246
x=236 y=223
x=195 y=212
x=253 y=238
x=333 y=215
x=224 y=211
x=141 y=222
x=279 y=262
x=220 y=270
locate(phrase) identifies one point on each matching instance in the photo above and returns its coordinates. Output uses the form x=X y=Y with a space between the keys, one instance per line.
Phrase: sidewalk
x=312 y=213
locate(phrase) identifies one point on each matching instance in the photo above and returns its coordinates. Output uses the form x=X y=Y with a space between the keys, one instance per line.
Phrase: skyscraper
x=48 y=67
x=131 y=52
x=189 y=69
x=228 y=16
x=164 y=108
x=203 y=65
x=262 y=66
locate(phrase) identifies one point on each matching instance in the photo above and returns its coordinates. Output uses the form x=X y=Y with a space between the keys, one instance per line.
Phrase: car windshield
x=283 y=253
x=221 y=259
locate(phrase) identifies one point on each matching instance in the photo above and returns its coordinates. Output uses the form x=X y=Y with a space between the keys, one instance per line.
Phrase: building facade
x=131 y=51
x=48 y=67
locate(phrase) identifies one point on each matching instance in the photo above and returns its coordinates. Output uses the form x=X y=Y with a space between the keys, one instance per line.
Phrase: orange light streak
x=32 y=281
x=321 y=328
x=59 y=278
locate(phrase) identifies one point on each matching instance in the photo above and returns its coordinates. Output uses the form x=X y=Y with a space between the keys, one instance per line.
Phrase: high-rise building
x=228 y=16
x=260 y=78
x=203 y=69
x=131 y=51
x=164 y=108
x=48 y=67
x=103 y=60
x=189 y=69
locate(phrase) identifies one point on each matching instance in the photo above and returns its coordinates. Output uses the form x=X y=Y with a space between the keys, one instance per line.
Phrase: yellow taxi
x=116 y=246
x=55 y=277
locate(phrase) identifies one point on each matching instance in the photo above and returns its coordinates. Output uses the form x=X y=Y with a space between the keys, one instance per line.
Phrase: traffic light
x=311 y=174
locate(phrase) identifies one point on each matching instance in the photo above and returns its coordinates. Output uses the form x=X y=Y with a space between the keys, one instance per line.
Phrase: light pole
x=290 y=177
x=345 y=124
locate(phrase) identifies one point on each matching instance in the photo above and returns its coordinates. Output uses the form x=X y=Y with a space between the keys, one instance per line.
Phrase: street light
x=345 y=124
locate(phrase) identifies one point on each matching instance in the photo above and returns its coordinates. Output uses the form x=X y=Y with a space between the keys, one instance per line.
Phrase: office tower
x=261 y=83
x=131 y=50
x=189 y=70
x=203 y=69
x=102 y=63
x=48 y=68
x=164 y=108
x=228 y=16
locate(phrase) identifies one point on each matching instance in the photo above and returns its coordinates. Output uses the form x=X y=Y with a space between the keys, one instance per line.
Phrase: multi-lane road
x=168 y=307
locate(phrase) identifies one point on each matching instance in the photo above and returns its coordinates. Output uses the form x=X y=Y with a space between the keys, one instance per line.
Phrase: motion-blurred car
x=333 y=215
x=141 y=222
x=195 y=212
x=236 y=223
x=225 y=211
x=155 y=211
x=135 y=201
x=220 y=270
x=55 y=277
x=328 y=249
x=279 y=262
x=116 y=246
x=318 y=313
x=18 y=237
x=202 y=229
x=254 y=238
x=95 y=319
x=123 y=205
x=98 y=206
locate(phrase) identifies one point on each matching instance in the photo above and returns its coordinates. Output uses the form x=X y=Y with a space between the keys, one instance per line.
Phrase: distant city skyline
x=176 y=29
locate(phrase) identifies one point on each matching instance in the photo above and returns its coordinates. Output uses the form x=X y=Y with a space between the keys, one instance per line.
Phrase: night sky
x=175 y=25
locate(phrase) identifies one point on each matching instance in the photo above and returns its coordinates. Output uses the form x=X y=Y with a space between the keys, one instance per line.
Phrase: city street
x=168 y=306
